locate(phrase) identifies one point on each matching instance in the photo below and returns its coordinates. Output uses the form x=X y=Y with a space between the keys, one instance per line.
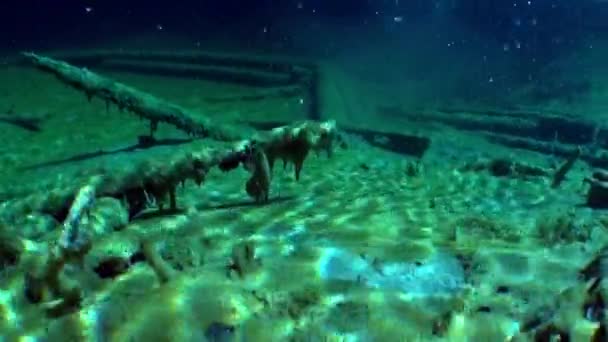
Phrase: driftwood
x=156 y=180
x=546 y=127
x=140 y=103
x=242 y=61
x=595 y=158
x=547 y=133
x=245 y=69
x=247 y=77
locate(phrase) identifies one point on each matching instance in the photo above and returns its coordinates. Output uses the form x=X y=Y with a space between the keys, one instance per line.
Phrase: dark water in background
x=497 y=44
x=47 y=23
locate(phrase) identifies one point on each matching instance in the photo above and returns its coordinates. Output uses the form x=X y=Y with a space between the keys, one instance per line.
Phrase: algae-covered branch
x=135 y=101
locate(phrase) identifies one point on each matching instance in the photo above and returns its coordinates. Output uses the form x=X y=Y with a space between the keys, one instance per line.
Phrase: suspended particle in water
x=506 y=47
x=398 y=19
x=88 y=9
x=300 y=5
x=517 y=22
x=159 y=27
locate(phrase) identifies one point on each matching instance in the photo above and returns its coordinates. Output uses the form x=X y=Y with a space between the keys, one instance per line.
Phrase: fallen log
x=222 y=74
x=597 y=158
x=155 y=181
x=241 y=61
x=137 y=102
x=243 y=69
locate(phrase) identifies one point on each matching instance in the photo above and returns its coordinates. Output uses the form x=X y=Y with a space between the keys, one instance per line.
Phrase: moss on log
x=135 y=101
x=157 y=179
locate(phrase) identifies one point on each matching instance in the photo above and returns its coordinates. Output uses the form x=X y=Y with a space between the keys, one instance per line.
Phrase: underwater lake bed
x=235 y=195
